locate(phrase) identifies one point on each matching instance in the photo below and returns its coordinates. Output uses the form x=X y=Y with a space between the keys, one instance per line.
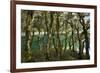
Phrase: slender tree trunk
x=29 y=36
x=54 y=44
x=47 y=29
x=58 y=37
x=80 y=44
x=72 y=26
x=70 y=44
x=73 y=39
x=87 y=46
x=66 y=25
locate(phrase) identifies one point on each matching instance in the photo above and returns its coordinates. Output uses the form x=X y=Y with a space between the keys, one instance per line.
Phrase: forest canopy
x=54 y=35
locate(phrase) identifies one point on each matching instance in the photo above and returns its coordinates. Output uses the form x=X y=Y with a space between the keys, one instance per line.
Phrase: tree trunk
x=29 y=36
x=58 y=37
x=47 y=45
x=87 y=46
x=80 y=44
x=73 y=39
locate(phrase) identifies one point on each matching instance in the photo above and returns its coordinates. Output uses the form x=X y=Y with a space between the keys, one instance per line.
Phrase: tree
x=85 y=31
x=29 y=33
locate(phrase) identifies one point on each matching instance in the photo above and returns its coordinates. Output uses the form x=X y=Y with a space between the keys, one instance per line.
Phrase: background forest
x=54 y=36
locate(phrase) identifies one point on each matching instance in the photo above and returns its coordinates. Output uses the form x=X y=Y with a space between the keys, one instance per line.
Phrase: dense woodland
x=54 y=36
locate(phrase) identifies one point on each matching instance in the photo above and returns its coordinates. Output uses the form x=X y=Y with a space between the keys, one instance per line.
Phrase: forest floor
x=43 y=56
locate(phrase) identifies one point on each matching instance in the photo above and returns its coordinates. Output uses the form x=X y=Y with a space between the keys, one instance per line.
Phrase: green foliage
x=54 y=36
